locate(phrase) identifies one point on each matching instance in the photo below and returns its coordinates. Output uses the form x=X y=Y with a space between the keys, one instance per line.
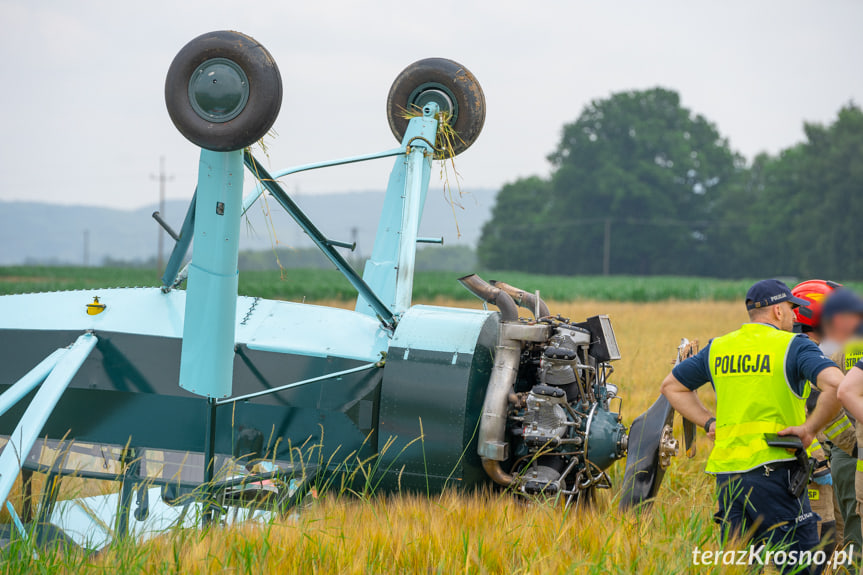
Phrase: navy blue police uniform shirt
x=804 y=362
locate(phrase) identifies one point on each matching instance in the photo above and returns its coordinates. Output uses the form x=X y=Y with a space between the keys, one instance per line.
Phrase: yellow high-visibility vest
x=752 y=397
x=852 y=353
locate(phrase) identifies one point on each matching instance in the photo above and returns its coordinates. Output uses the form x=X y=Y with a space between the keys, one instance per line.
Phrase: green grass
x=316 y=284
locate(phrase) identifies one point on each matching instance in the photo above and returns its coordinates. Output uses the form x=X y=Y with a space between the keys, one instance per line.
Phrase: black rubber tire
x=261 y=108
x=458 y=80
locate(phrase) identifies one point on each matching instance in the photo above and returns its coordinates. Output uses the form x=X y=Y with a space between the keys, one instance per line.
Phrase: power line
x=571 y=222
x=606 y=249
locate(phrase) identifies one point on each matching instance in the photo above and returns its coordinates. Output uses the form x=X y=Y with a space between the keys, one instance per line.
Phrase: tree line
x=643 y=186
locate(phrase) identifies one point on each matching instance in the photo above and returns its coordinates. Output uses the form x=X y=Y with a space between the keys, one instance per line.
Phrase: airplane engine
x=548 y=423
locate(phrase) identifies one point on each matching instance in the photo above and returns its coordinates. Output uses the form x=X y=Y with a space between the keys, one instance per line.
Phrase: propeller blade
x=689 y=430
x=685 y=350
x=643 y=470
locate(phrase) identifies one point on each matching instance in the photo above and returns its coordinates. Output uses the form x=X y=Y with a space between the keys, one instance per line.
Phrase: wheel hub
x=218 y=90
x=437 y=93
x=668 y=447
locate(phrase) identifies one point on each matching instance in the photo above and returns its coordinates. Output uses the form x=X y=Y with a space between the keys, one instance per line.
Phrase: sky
x=83 y=90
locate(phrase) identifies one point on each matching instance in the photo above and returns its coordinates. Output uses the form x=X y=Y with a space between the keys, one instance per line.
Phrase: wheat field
x=485 y=532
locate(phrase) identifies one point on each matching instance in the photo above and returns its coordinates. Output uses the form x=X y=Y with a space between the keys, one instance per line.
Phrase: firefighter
x=842 y=318
x=760 y=374
x=831 y=492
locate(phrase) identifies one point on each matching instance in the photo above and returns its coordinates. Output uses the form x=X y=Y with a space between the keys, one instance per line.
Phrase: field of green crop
x=316 y=284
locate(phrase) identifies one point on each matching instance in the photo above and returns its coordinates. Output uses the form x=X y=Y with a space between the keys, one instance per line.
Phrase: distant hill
x=32 y=232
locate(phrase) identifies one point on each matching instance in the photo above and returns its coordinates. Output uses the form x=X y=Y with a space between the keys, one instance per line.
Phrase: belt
x=765 y=469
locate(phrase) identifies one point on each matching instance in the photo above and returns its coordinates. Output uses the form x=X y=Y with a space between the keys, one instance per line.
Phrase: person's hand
x=712 y=432
x=805 y=434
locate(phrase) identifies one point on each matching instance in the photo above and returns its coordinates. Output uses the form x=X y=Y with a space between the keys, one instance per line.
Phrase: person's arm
x=828 y=404
x=808 y=363
x=686 y=402
x=680 y=385
x=851 y=392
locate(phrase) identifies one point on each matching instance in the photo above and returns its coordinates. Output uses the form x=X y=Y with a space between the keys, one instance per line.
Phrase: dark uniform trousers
x=758 y=505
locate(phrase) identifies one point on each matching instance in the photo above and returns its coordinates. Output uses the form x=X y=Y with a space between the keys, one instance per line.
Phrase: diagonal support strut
x=27 y=431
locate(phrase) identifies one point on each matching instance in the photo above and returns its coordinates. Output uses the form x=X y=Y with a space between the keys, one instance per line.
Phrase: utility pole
x=163 y=179
x=606 y=249
x=86 y=248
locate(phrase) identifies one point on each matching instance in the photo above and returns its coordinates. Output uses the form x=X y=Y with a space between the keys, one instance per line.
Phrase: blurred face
x=785 y=313
x=842 y=327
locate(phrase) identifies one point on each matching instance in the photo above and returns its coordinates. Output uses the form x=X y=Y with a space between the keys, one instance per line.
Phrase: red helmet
x=813 y=291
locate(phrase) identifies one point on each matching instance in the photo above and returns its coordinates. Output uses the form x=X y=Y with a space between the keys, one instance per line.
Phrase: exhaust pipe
x=524 y=299
x=492 y=446
x=495 y=296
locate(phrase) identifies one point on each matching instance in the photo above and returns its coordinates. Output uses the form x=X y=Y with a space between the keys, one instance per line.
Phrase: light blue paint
x=415 y=192
x=434 y=328
x=181 y=247
x=259 y=189
x=85 y=519
x=266 y=325
x=207 y=359
x=141 y=311
x=27 y=383
x=27 y=431
x=16 y=520
x=320 y=240
x=389 y=271
x=316 y=331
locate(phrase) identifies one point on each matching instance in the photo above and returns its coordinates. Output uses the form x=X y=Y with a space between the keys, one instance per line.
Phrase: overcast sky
x=85 y=121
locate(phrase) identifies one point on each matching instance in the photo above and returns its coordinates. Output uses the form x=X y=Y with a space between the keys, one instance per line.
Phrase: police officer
x=760 y=374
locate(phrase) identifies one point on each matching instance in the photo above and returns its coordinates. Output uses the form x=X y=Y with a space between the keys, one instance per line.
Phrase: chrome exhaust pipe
x=492 y=446
x=490 y=294
x=524 y=299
